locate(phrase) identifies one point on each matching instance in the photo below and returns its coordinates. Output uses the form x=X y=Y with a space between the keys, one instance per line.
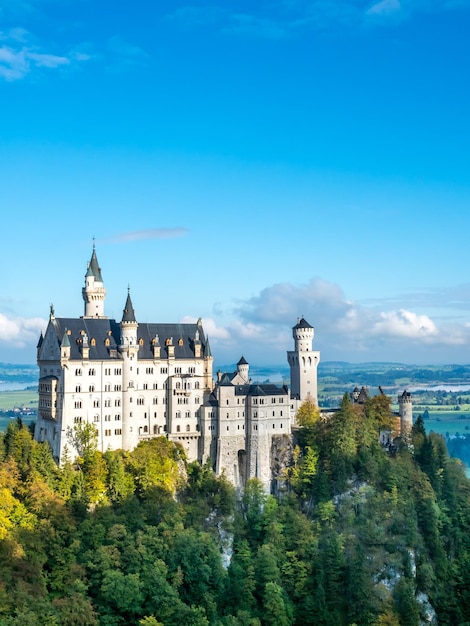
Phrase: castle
x=134 y=381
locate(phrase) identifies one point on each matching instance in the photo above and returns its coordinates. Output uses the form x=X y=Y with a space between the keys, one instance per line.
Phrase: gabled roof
x=242 y=361
x=262 y=389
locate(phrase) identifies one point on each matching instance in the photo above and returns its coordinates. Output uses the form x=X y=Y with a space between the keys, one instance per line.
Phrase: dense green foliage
x=359 y=534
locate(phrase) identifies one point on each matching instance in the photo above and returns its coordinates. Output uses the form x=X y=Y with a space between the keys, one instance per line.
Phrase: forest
x=357 y=533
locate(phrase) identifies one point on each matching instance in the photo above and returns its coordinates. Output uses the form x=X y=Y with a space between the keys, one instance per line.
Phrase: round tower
x=405 y=410
x=129 y=348
x=242 y=369
x=303 y=362
x=94 y=292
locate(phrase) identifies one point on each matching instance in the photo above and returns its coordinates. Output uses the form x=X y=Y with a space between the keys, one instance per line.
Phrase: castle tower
x=242 y=369
x=94 y=292
x=129 y=348
x=303 y=362
x=405 y=410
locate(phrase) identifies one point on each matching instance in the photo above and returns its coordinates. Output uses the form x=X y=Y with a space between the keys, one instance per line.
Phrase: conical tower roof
x=128 y=314
x=93 y=267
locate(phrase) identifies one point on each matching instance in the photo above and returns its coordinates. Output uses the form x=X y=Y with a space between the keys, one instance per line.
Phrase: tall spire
x=128 y=314
x=94 y=291
x=93 y=266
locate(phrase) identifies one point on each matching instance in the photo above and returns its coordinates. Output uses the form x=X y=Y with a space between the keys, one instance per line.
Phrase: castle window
x=177 y=370
x=274 y=425
x=107 y=433
x=155 y=401
x=146 y=429
x=117 y=402
x=91 y=372
x=117 y=417
x=96 y=418
x=78 y=389
x=178 y=385
x=196 y=400
x=107 y=418
x=77 y=420
x=178 y=428
x=93 y=341
x=78 y=372
x=188 y=428
x=145 y=386
x=280 y=425
x=78 y=404
x=149 y=370
x=107 y=371
x=228 y=415
x=255 y=427
x=273 y=400
x=96 y=404
x=191 y=370
x=117 y=387
x=107 y=342
x=180 y=341
x=280 y=413
x=274 y=413
x=196 y=385
x=163 y=370
x=140 y=401
x=227 y=402
x=155 y=429
x=141 y=342
x=118 y=371
x=187 y=414
x=107 y=402
x=228 y=428
x=178 y=414
x=91 y=388
x=117 y=431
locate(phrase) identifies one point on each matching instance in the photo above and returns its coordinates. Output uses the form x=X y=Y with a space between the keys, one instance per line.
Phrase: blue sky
x=247 y=163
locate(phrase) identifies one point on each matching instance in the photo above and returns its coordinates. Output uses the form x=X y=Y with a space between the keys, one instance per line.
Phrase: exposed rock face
x=281 y=458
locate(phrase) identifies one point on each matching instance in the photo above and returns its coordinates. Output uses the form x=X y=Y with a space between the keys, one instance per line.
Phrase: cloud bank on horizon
x=261 y=329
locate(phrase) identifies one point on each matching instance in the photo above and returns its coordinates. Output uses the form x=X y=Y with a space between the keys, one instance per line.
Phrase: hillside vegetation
x=359 y=534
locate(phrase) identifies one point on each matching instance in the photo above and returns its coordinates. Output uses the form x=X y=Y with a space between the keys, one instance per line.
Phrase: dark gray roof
x=104 y=331
x=225 y=380
x=263 y=389
x=128 y=314
x=302 y=323
x=93 y=267
x=242 y=361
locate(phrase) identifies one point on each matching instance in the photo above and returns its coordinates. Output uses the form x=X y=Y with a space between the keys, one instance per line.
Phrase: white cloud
x=385 y=7
x=149 y=233
x=18 y=57
x=405 y=324
x=20 y=332
x=210 y=327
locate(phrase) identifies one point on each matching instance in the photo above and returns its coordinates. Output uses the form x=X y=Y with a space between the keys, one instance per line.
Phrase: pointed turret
x=65 y=348
x=207 y=349
x=128 y=314
x=94 y=292
x=129 y=349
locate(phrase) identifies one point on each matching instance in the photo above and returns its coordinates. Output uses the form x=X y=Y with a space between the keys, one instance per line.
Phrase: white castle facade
x=134 y=381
